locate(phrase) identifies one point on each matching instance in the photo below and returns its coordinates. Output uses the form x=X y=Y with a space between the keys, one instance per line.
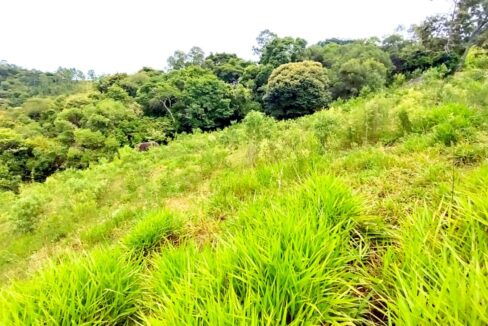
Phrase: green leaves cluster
x=192 y=98
x=59 y=120
x=295 y=89
x=46 y=135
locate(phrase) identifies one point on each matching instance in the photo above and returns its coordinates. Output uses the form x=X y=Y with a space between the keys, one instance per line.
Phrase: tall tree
x=469 y=24
x=457 y=31
x=180 y=59
x=296 y=89
x=226 y=66
x=275 y=51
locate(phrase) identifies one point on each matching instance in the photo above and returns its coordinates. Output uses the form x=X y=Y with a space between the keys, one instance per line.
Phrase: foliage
x=354 y=76
x=477 y=58
x=296 y=89
x=26 y=214
x=47 y=135
x=53 y=121
x=154 y=229
x=193 y=98
x=333 y=55
x=410 y=56
x=373 y=211
x=98 y=289
x=180 y=59
x=228 y=67
x=18 y=84
x=458 y=31
x=276 y=51
x=194 y=233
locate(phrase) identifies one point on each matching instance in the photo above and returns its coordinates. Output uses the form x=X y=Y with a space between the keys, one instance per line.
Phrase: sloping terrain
x=372 y=212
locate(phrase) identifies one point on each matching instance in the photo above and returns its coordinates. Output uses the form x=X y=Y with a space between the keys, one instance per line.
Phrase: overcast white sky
x=123 y=36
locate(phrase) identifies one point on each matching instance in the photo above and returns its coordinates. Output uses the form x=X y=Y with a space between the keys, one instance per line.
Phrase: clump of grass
x=438 y=274
x=288 y=262
x=469 y=154
x=100 y=288
x=153 y=230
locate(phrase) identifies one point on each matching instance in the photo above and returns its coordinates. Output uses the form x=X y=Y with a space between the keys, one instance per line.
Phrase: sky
x=125 y=35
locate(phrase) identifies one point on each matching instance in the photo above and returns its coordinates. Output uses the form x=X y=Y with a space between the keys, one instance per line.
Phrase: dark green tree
x=228 y=67
x=296 y=89
x=355 y=75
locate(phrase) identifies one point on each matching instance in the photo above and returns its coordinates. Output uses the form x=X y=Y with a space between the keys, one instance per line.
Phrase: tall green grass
x=285 y=262
x=155 y=229
x=371 y=212
x=438 y=275
x=99 y=288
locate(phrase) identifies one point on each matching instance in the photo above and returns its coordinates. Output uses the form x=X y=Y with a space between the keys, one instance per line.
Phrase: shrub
x=469 y=154
x=257 y=126
x=324 y=127
x=477 y=58
x=25 y=213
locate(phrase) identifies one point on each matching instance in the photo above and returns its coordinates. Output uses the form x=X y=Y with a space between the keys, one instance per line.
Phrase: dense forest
x=60 y=120
x=343 y=182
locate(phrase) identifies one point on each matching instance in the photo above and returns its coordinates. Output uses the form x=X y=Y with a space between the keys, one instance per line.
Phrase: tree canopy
x=51 y=121
x=296 y=89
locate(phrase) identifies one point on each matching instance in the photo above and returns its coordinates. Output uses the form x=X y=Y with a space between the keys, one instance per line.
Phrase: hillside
x=374 y=211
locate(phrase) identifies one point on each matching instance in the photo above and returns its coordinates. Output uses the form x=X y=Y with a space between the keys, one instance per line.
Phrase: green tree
x=180 y=59
x=469 y=25
x=333 y=55
x=193 y=97
x=158 y=99
x=105 y=82
x=255 y=77
x=276 y=51
x=296 y=89
x=355 y=75
x=228 y=67
x=458 y=31
x=204 y=103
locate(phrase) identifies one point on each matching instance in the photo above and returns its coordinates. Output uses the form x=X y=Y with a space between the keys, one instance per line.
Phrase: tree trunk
x=169 y=111
x=472 y=41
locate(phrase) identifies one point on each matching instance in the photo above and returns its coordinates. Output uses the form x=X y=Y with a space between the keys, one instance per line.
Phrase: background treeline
x=199 y=231
x=53 y=121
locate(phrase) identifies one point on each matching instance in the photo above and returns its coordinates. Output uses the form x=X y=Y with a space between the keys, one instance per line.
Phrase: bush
x=477 y=58
x=469 y=154
x=325 y=126
x=257 y=126
x=25 y=213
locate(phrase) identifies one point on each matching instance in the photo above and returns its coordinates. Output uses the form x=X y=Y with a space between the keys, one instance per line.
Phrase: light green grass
x=372 y=212
x=96 y=289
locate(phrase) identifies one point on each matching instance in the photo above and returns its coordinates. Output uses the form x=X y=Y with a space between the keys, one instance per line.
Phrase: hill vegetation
x=340 y=183
x=369 y=212
x=61 y=120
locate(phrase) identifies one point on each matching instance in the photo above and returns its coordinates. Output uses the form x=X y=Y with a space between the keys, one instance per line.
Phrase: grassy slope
x=361 y=214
